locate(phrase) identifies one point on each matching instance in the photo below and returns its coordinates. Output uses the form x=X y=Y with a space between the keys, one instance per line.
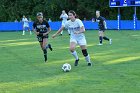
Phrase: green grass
x=116 y=67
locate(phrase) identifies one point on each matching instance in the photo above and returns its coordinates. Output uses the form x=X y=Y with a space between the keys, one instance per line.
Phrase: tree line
x=15 y=9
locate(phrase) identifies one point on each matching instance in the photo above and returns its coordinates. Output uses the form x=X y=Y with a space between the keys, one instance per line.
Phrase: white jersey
x=64 y=17
x=25 y=22
x=73 y=27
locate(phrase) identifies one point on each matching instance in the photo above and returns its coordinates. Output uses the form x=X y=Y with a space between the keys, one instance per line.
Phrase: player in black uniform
x=42 y=29
x=102 y=28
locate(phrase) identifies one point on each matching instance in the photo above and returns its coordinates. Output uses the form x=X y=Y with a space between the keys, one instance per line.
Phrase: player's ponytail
x=77 y=16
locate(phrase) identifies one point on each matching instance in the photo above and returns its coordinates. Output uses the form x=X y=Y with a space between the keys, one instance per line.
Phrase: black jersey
x=100 y=21
x=41 y=27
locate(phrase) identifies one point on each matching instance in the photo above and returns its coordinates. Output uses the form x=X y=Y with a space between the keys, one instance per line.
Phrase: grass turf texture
x=116 y=67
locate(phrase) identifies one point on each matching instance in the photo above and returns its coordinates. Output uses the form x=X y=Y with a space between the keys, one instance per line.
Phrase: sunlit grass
x=5 y=41
x=125 y=59
x=52 y=81
x=116 y=67
x=18 y=44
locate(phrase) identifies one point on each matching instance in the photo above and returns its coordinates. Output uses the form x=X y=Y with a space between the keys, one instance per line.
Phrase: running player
x=64 y=18
x=76 y=27
x=102 y=28
x=42 y=29
x=25 y=25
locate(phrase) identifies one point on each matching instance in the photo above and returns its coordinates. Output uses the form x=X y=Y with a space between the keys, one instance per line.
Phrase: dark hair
x=73 y=12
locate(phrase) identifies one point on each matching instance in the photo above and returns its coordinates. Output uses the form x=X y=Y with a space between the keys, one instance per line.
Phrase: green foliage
x=15 y=9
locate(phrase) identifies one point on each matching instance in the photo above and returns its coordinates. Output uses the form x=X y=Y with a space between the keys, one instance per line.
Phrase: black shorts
x=102 y=30
x=40 y=38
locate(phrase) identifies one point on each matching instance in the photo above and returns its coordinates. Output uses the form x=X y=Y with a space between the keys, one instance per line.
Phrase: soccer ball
x=66 y=67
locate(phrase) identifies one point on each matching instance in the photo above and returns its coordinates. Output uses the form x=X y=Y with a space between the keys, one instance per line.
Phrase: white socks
x=23 y=32
x=62 y=32
x=75 y=55
x=87 y=58
x=30 y=32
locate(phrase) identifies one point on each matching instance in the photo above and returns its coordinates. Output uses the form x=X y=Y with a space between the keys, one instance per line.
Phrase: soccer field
x=116 y=67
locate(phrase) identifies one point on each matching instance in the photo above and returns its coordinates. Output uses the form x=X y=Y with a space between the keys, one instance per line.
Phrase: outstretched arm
x=54 y=35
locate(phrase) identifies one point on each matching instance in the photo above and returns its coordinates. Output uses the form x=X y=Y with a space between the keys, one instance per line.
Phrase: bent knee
x=72 y=49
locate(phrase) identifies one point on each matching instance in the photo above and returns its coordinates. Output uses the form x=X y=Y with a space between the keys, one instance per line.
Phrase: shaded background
x=15 y=9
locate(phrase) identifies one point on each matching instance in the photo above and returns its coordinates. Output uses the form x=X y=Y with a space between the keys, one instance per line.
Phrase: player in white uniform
x=77 y=36
x=25 y=25
x=64 y=18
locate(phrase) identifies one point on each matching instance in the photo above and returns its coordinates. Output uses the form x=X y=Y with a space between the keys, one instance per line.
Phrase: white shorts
x=25 y=25
x=63 y=23
x=81 y=41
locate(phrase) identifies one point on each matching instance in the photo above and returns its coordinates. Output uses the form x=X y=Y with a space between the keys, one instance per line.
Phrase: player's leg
x=86 y=55
x=46 y=45
x=28 y=27
x=45 y=40
x=29 y=30
x=100 y=37
x=41 y=45
x=49 y=45
x=61 y=33
x=73 y=52
x=23 y=32
x=106 y=38
x=83 y=43
x=44 y=51
x=42 y=42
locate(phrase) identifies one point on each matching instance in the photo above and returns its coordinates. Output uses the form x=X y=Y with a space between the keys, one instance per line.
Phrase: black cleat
x=76 y=62
x=89 y=64
x=50 y=47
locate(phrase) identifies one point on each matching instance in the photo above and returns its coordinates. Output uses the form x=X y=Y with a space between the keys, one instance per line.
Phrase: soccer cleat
x=50 y=47
x=89 y=64
x=76 y=62
x=60 y=35
x=110 y=41
x=100 y=44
